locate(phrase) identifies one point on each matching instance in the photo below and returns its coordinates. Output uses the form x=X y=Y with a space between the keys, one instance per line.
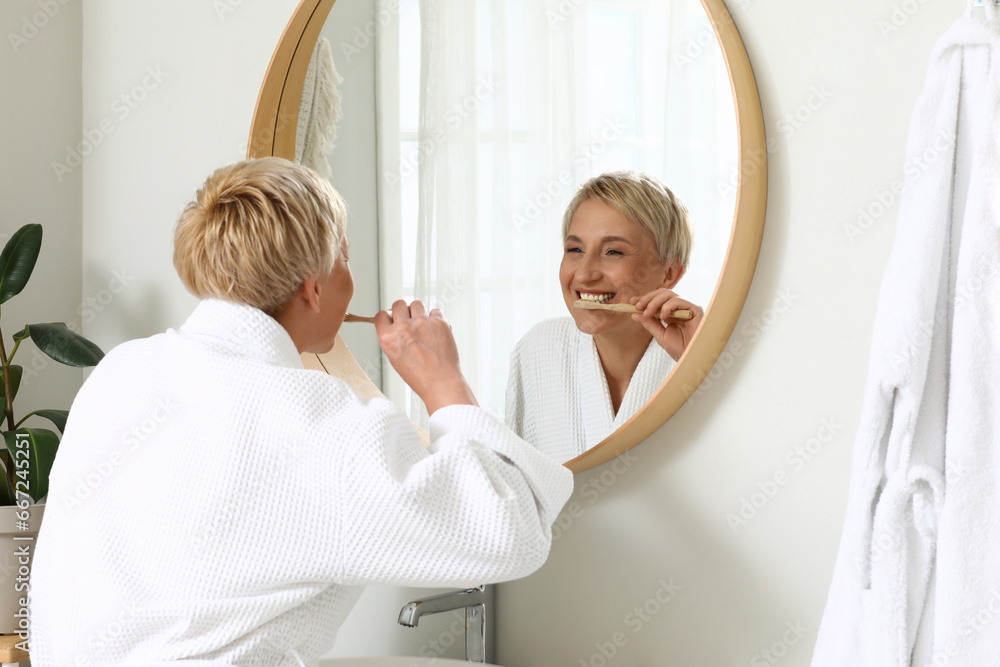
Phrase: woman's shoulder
x=128 y=355
x=220 y=375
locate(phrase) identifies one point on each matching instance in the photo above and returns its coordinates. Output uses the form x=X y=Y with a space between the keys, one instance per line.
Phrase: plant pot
x=18 y=537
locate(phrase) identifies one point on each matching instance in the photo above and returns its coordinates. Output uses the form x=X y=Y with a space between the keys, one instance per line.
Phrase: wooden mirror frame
x=273 y=130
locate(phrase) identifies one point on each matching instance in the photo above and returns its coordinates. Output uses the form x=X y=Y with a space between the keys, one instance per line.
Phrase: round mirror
x=661 y=87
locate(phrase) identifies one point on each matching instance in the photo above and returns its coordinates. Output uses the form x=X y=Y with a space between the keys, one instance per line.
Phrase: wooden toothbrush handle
x=627 y=308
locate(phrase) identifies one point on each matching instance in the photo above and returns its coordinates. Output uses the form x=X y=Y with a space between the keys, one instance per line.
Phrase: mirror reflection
x=575 y=379
x=490 y=117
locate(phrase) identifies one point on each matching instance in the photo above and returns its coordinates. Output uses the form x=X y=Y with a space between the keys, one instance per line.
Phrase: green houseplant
x=30 y=451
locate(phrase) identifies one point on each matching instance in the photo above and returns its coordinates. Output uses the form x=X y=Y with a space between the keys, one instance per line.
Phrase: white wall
x=174 y=84
x=40 y=113
x=665 y=517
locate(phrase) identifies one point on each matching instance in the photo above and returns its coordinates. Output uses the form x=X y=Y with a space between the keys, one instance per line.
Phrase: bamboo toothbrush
x=626 y=308
x=580 y=303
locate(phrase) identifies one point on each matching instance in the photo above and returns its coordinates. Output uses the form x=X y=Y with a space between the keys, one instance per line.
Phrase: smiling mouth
x=597 y=297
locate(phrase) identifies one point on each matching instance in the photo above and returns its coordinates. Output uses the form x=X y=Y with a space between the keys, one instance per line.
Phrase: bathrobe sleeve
x=476 y=507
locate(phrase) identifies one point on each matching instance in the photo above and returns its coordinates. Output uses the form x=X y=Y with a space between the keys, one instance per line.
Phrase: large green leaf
x=15 y=378
x=57 y=417
x=41 y=445
x=65 y=346
x=17 y=260
x=6 y=490
x=15 y=382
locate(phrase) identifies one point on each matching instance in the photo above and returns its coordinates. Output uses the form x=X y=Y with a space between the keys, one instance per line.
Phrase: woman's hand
x=422 y=349
x=655 y=310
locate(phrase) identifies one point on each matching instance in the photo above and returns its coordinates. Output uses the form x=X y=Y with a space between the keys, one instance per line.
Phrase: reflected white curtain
x=493 y=112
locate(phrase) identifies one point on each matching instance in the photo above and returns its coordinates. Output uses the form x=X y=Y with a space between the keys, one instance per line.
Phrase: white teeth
x=597 y=298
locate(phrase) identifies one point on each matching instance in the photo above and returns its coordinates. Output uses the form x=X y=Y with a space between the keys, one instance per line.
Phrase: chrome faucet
x=473 y=600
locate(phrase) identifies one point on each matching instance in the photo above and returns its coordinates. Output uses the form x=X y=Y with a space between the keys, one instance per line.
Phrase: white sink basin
x=395 y=662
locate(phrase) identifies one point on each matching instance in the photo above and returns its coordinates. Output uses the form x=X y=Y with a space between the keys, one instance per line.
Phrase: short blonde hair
x=644 y=202
x=256 y=230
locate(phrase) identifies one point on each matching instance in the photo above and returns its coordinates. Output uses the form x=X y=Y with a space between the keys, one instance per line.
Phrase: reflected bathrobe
x=557 y=394
x=213 y=500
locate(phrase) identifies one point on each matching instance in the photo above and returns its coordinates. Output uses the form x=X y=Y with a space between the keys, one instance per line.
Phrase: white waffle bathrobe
x=213 y=500
x=557 y=394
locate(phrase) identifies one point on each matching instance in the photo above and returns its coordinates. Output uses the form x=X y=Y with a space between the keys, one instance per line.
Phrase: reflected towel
x=319 y=111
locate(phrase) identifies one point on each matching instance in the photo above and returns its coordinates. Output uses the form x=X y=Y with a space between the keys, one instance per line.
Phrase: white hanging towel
x=917 y=576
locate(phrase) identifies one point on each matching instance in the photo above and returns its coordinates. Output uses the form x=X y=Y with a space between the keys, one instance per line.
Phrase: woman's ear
x=309 y=293
x=672 y=276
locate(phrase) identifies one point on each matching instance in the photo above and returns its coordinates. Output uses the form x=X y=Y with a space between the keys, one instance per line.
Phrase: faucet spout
x=413 y=610
x=473 y=600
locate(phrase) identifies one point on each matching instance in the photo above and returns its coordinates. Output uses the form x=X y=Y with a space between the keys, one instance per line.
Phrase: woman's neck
x=620 y=356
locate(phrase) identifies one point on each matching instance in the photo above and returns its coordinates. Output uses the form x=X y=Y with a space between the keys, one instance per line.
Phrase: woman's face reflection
x=605 y=254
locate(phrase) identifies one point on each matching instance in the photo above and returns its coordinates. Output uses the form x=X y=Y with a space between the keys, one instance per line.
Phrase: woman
x=215 y=503
x=575 y=380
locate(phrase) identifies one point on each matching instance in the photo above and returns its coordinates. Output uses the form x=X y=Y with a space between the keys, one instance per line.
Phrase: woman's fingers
x=417 y=309
x=422 y=349
x=667 y=309
x=696 y=312
x=660 y=303
x=642 y=303
x=656 y=316
x=400 y=310
x=651 y=324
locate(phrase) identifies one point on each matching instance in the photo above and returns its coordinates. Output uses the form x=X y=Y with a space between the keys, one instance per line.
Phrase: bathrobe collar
x=598 y=414
x=595 y=396
x=244 y=330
